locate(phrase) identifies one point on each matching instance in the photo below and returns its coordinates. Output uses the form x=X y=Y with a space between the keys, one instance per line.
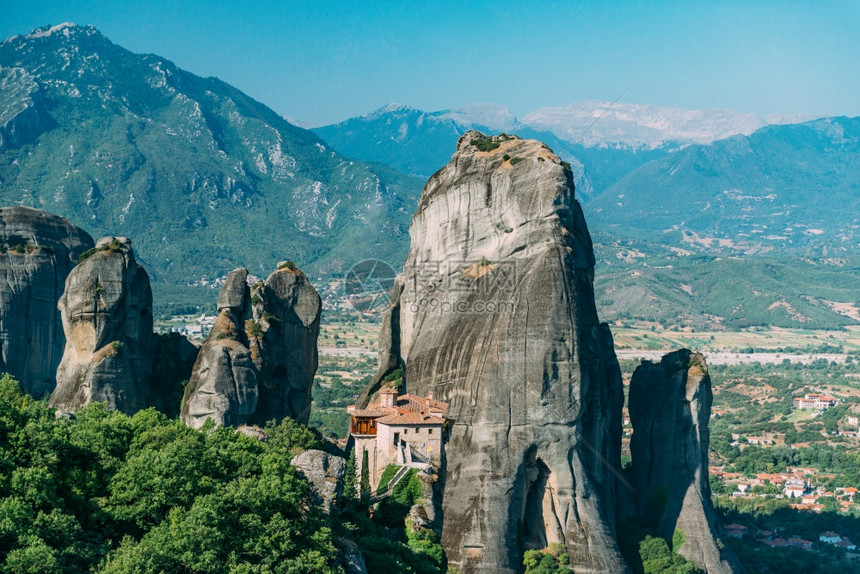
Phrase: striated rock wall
x=37 y=252
x=25 y=115
x=324 y=472
x=670 y=406
x=288 y=311
x=259 y=361
x=495 y=315
x=106 y=311
x=223 y=384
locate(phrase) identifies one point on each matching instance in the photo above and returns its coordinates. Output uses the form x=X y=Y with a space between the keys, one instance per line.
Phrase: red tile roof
x=407 y=410
x=410 y=418
x=368 y=413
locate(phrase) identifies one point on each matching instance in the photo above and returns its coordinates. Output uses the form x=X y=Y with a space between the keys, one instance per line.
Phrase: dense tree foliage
x=648 y=553
x=388 y=540
x=349 y=491
x=552 y=560
x=104 y=492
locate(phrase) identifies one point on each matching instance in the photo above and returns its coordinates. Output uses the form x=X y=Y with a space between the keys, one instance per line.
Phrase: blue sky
x=323 y=62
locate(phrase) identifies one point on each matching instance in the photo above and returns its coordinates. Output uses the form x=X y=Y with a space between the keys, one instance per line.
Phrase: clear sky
x=325 y=61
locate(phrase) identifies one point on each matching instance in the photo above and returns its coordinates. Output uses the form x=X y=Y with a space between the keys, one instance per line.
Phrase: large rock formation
x=324 y=472
x=495 y=315
x=670 y=405
x=223 y=384
x=107 y=319
x=287 y=308
x=259 y=361
x=37 y=252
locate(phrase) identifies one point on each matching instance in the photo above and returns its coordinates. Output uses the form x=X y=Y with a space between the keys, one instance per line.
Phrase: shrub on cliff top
x=485 y=143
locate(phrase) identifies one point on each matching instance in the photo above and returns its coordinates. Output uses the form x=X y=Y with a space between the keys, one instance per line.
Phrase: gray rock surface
x=670 y=406
x=38 y=251
x=419 y=518
x=288 y=313
x=25 y=115
x=432 y=493
x=495 y=315
x=350 y=557
x=106 y=310
x=324 y=472
x=388 y=357
x=223 y=384
x=259 y=360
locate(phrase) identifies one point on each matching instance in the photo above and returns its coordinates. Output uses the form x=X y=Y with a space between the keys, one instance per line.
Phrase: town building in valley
x=815 y=401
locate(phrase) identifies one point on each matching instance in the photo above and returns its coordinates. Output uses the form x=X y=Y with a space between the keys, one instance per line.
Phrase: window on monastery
x=429 y=431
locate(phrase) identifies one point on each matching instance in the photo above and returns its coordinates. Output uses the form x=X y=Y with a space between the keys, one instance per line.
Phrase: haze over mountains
x=782 y=187
x=590 y=124
x=750 y=189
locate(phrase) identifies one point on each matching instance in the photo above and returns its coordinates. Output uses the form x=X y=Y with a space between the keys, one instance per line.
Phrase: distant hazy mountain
x=419 y=143
x=493 y=117
x=602 y=145
x=638 y=125
x=410 y=140
x=782 y=187
x=129 y=144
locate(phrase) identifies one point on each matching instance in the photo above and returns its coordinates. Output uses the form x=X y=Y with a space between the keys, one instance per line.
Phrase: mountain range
x=603 y=141
x=205 y=179
x=201 y=176
x=782 y=188
x=391 y=133
x=759 y=227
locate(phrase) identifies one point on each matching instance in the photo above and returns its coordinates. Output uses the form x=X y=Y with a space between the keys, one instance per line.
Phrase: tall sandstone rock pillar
x=670 y=406
x=37 y=252
x=107 y=319
x=495 y=315
x=259 y=361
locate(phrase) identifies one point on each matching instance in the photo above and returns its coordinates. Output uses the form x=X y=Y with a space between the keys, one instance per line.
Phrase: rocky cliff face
x=495 y=314
x=106 y=310
x=259 y=361
x=221 y=163
x=37 y=252
x=223 y=384
x=324 y=472
x=670 y=405
x=287 y=309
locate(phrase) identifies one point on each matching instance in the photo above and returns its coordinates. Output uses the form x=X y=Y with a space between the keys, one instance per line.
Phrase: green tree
x=349 y=492
x=365 y=476
x=545 y=562
x=106 y=492
x=657 y=558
